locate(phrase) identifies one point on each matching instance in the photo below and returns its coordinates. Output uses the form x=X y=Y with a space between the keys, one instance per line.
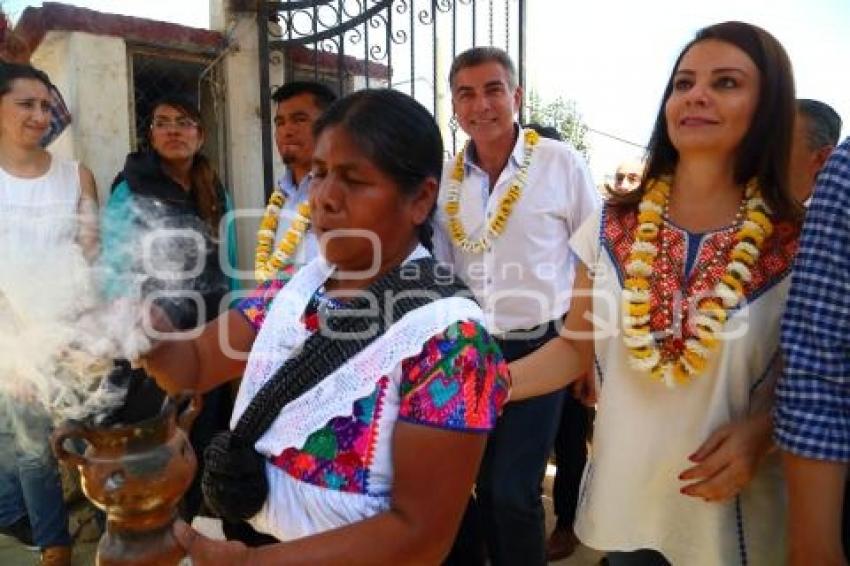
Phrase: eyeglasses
x=179 y=124
x=631 y=177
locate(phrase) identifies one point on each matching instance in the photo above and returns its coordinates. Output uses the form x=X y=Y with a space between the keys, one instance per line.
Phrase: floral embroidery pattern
x=459 y=381
x=774 y=263
x=339 y=455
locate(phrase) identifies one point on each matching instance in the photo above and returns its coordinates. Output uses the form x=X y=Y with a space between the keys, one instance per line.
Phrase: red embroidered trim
x=376 y=418
x=776 y=259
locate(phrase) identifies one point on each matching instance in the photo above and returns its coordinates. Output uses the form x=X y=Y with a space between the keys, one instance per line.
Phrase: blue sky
x=613 y=56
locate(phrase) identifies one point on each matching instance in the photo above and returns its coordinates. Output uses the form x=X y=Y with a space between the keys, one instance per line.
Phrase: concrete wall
x=91 y=72
x=243 y=123
x=244 y=120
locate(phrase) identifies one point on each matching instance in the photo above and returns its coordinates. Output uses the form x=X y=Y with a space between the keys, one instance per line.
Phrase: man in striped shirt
x=813 y=396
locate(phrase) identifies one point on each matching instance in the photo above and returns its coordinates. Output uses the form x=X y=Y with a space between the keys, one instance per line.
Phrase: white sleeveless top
x=41 y=212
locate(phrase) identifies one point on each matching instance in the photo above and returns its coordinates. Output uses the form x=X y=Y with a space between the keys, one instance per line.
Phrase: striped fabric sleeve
x=459 y=381
x=813 y=394
x=256 y=305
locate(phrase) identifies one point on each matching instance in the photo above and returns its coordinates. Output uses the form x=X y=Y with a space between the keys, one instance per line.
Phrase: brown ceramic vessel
x=137 y=474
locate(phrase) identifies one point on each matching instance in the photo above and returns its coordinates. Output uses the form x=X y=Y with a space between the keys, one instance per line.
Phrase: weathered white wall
x=91 y=72
x=242 y=114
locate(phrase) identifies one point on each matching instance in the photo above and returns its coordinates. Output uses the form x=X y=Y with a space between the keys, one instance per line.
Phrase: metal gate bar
x=368 y=43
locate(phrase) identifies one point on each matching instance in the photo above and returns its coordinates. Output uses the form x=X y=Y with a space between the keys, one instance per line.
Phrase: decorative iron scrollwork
x=426 y=17
x=312 y=26
x=405 y=44
x=444 y=6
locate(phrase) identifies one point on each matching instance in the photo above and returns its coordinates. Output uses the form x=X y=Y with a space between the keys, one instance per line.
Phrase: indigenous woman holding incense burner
x=691 y=273
x=371 y=383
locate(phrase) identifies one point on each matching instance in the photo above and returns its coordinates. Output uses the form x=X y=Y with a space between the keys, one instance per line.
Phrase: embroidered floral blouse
x=644 y=432
x=329 y=451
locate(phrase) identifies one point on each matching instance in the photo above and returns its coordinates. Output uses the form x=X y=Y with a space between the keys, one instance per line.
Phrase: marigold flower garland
x=267 y=262
x=506 y=204
x=712 y=312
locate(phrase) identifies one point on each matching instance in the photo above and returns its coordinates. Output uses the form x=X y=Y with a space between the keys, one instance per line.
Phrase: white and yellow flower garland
x=267 y=262
x=506 y=204
x=754 y=229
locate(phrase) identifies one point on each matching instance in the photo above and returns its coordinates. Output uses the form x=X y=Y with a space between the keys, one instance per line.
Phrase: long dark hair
x=765 y=151
x=206 y=187
x=397 y=134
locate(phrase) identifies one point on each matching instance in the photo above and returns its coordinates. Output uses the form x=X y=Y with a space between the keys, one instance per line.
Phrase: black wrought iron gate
x=403 y=44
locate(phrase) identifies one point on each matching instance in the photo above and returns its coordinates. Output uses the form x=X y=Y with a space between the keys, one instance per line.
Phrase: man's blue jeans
x=509 y=482
x=29 y=477
x=509 y=490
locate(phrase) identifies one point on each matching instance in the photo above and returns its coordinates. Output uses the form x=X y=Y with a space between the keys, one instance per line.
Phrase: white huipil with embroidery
x=294 y=508
x=644 y=433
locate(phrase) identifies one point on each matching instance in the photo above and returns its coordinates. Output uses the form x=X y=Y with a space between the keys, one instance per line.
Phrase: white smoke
x=54 y=346
x=63 y=321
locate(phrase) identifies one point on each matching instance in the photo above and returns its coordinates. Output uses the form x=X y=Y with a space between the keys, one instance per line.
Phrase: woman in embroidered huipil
x=689 y=275
x=374 y=464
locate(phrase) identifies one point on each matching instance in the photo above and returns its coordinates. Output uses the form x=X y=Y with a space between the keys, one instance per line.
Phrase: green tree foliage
x=563 y=116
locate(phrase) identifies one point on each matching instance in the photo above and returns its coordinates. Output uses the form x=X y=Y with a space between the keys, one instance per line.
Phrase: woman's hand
x=88 y=235
x=563 y=359
x=201 y=361
x=207 y=552
x=162 y=362
x=728 y=460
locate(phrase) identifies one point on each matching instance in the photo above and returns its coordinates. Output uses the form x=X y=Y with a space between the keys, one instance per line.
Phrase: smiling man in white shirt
x=509 y=203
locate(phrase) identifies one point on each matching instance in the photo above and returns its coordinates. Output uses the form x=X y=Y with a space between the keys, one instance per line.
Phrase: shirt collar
x=418 y=252
x=287 y=185
x=517 y=154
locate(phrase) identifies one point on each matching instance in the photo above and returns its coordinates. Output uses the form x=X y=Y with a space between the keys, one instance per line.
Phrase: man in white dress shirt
x=521 y=274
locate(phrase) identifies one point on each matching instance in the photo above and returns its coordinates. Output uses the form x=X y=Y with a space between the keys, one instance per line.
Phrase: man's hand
x=584 y=390
x=815 y=501
x=729 y=459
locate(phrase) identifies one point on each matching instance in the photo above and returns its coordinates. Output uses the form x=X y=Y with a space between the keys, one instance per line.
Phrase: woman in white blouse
x=685 y=280
x=48 y=215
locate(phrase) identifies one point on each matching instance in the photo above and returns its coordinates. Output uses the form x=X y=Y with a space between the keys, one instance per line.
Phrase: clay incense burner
x=137 y=473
